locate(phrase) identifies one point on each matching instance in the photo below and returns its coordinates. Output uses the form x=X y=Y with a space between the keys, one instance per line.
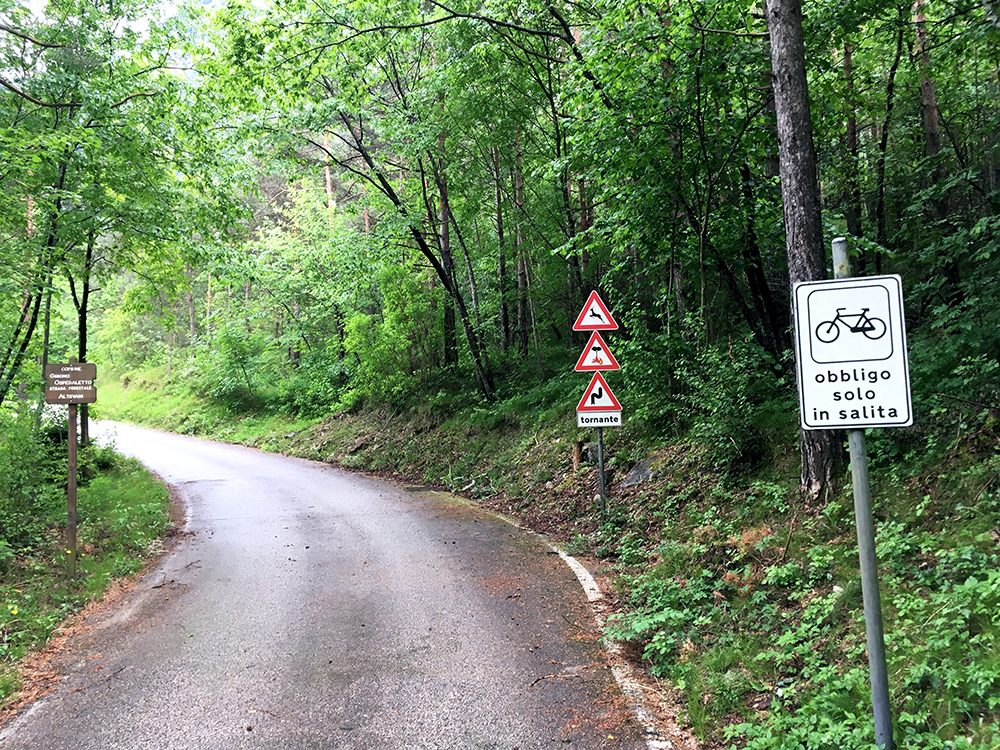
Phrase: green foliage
x=787 y=620
x=122 y=512
x=393 y=175
x=388 y=349
x=28 y=470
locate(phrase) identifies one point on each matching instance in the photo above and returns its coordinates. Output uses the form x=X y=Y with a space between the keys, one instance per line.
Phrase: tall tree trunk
x=28 y=320
x=16 y=350
x=932 y=136
x=480 y=362
x=190 y=301
x=928 y=95
x=522 y=266
x=801 y=201
x=46 y=339
x=852 y=208
x=881 y=221
x=328 y=179
x=82 y=313
x=448 y=261
x=775 y=340
x=503 y=284
x=208 y=313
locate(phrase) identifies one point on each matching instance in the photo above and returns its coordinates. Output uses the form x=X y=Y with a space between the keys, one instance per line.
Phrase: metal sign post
x=600 y=469
x=598 y=407
x=850 y=347
x=71 y=384
x=866 y=552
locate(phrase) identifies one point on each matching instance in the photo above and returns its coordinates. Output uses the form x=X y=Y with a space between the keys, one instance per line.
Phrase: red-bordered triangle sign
x=598 y=397
x=596 y=356
x=595 y=316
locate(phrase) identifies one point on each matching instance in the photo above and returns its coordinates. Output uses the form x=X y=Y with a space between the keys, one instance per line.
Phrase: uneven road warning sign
x=599 y=407
x=596 y=356
x=595 y=316
x=850 y=345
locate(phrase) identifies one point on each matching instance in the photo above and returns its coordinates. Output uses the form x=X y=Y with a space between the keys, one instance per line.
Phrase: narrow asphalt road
x=309 y=608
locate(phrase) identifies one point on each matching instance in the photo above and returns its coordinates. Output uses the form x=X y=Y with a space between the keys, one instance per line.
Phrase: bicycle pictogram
x=871 y=327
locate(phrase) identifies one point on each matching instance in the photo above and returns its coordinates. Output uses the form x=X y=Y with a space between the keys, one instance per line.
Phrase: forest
x=307 y=208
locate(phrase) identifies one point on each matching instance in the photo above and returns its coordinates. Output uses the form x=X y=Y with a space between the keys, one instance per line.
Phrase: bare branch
x=28 y=37
x=133 y=96
x=741 y=34
x=24 y=95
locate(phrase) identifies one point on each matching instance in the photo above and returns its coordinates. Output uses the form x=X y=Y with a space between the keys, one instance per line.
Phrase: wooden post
x=71 y=492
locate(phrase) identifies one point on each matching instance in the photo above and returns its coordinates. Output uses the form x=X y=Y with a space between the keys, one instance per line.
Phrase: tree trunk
x=480 y=362
x=208 y=313
x=46 y=340
x=852 y=208
x=801 y=201
x=15 y=350
x=928 y=96
x=448 y=261
x=28 y=319
x=881 y=228
x=522 y=266
x=328 y=175
x=775 y=340
x=82 y=312
x=932 y=136
x=501 y=256
x=190 y=301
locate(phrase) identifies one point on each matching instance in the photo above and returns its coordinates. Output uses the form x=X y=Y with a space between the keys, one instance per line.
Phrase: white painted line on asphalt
x=620 y=666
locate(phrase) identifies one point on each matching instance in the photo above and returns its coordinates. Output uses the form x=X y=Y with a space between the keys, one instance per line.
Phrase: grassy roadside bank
x=122 y=518
x=738 y=595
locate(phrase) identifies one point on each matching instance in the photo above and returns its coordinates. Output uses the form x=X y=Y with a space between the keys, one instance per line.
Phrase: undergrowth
x=122 y=515
x=741 y=596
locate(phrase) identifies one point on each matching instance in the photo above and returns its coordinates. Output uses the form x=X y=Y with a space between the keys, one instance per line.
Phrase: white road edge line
x=620 y=667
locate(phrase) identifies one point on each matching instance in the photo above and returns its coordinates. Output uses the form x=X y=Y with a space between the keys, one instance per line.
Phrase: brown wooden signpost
x=71 y=384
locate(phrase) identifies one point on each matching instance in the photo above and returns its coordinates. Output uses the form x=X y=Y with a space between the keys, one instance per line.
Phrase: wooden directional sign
x=596 y=356
x=71 y=383
x=595 y=316
x=598 y=407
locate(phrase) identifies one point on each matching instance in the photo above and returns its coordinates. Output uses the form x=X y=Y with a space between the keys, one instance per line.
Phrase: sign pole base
x=870 y=589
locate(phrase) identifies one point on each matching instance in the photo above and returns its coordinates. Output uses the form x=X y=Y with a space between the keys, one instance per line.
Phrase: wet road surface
x=306 y=607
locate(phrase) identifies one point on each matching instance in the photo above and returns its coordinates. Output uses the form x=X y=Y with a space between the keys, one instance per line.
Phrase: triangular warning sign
x=596 y=356
x=595 y=316
x=598 y=397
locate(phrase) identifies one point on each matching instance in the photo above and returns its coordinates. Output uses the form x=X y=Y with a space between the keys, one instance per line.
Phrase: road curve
x=310 y=608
